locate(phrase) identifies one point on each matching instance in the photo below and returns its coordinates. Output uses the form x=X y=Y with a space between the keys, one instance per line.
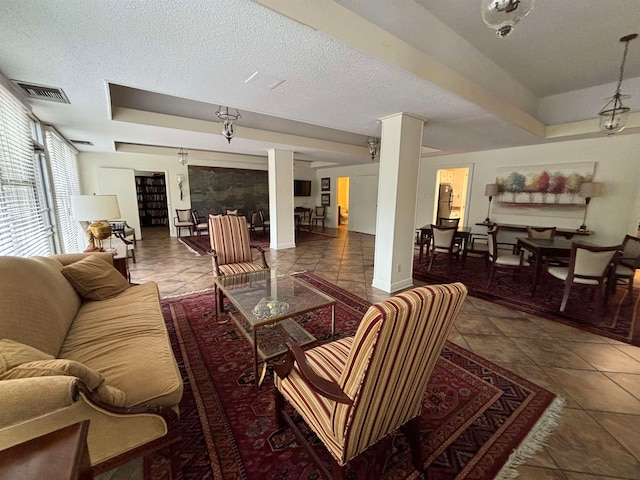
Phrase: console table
x=562 y=232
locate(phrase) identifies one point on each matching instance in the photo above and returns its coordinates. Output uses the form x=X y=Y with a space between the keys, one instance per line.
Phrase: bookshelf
x=152 y=201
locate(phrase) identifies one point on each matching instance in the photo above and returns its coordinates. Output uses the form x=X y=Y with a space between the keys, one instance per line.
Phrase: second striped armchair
x=354 y=391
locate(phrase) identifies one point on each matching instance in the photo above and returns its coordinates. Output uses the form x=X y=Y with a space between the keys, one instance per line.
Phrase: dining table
x=424 y=235
x=542 y=248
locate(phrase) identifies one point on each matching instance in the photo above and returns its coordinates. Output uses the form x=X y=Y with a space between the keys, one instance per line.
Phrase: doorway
x=451 y=194
x=342 y=193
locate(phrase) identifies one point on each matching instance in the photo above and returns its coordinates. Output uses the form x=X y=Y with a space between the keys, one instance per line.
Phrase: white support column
x=400 y=151
x=281 y=228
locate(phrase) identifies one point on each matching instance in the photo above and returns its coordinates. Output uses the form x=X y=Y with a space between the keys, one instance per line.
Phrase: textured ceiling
x=324 y=80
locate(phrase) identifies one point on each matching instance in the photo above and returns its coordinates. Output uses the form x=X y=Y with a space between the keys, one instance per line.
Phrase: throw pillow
x=95 y=279
x=13 y=354
x=59 y=366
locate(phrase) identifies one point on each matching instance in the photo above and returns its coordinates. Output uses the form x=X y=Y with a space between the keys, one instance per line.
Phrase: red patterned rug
x=200 y=244
x=618 y=319
x=478 y=419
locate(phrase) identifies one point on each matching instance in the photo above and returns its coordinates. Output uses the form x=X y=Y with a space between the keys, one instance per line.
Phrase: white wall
x=90 y=163
x=610 y=216
x=353 y=171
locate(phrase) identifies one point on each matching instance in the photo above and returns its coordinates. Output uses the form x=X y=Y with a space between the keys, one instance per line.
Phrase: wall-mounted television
x=302 y=188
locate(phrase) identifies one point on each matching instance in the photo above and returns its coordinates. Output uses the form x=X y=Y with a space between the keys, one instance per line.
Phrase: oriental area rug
x=200 y=244
x=617 y=319
x=478 y=420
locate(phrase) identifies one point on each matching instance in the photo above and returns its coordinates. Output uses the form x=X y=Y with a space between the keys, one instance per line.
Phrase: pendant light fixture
x=613 y=117
x=183 y=156
x=228 y=117
x=374 y=144
x=502 y=15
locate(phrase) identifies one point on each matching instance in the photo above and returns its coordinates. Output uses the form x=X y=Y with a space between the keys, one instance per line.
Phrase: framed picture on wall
x=325 y=199
x=325 y=184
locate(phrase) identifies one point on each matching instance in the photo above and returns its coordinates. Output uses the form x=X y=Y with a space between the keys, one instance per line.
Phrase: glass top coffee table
x=265 y=303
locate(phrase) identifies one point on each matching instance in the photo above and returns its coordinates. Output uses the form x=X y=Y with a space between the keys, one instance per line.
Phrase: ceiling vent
x=42 y=92
x=82 y=142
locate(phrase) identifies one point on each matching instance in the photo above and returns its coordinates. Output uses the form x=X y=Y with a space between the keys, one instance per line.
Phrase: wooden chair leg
x=337 y=471
x=492 y=272
x=279 y=407
x=433 y=255
x=565 y=297
x=412 y=431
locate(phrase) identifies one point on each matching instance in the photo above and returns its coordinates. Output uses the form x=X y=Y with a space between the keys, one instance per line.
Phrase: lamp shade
x=95 y=207
x=491 y=189
x=590 y=189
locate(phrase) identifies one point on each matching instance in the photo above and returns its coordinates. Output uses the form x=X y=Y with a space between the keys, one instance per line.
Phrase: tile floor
x=599 y=434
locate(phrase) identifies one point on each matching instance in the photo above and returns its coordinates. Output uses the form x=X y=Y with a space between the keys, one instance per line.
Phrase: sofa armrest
x=26 y=398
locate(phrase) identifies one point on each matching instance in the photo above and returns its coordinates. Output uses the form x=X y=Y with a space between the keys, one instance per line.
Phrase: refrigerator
x=445 y=201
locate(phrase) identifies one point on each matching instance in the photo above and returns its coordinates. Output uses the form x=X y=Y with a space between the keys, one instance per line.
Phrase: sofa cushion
x=37 y=304
x=95 y=279
x=13 y=354
x=125 y=339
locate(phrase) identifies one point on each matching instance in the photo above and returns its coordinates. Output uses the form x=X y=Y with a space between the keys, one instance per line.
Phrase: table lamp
x=96 y=209
x=490 y=190
x=588 y=190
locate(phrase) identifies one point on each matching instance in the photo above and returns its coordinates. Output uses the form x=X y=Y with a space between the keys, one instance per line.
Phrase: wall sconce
x=588 y=190
x=180 y=179
x=490 y=190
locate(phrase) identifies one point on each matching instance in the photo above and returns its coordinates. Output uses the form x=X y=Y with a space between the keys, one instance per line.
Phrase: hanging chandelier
x=374 y=144
x=613 y=117
x=502 y=15
x=183 y=156
x=228 y=118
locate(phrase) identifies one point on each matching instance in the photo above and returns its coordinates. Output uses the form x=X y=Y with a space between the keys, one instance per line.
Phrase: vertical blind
x=63 y=163
x=25 y=229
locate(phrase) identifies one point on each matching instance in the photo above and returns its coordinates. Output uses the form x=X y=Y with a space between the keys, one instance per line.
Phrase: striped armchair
x=230 y=247
x=354 y=391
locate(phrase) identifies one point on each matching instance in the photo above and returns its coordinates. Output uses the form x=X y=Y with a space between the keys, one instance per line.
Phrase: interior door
x=363 y=203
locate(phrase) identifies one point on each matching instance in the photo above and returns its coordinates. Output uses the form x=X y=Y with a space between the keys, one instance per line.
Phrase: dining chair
x=589 y=266
x=443 y=241
x=503 y=256
x=541 y=232
x=264 y=221
x=355 y=391
x=319 y=216
x=477 y=246
x=305 y=220
x=449 y=222
x=231 y=249
x=625 y=269
x=184 y=219
x=200 y=225
x=127 y=234
x=231 y=211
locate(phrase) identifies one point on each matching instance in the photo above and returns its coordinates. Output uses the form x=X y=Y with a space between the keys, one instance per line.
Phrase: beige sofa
x=77 y=343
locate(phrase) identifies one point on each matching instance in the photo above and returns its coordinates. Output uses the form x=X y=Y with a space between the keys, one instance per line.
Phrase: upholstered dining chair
x=476 y=246
x=354 y=391
x=305 y=221
x=264 y=220
x=231 y=249
x=548 y=233
x=231 y=211
x=449 y=222
x=502 y=256
x=319 y=216
x=588 y=265
x=200 y=224
x=443 y=241
x=625 y=269
x=184 y=219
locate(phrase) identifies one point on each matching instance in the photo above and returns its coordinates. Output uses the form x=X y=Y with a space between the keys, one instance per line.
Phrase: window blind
x=25 y=229
x=63 y=162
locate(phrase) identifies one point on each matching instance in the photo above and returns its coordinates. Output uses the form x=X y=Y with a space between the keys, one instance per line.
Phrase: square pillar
x=281 y=228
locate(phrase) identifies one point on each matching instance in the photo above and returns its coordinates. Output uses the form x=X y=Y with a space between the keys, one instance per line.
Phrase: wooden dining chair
x=355 y=391
x=319 y=216
x=502 y=256
x=588 y=266
x=443 y=242
x=449 y=222
x=183 y=219
x=200 y=224
x=541 y=232
x=629 y=262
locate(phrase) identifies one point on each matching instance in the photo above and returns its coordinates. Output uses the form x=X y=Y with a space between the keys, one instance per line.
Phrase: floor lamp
x=96 y=209
x=490 y=190
x=588 y=190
